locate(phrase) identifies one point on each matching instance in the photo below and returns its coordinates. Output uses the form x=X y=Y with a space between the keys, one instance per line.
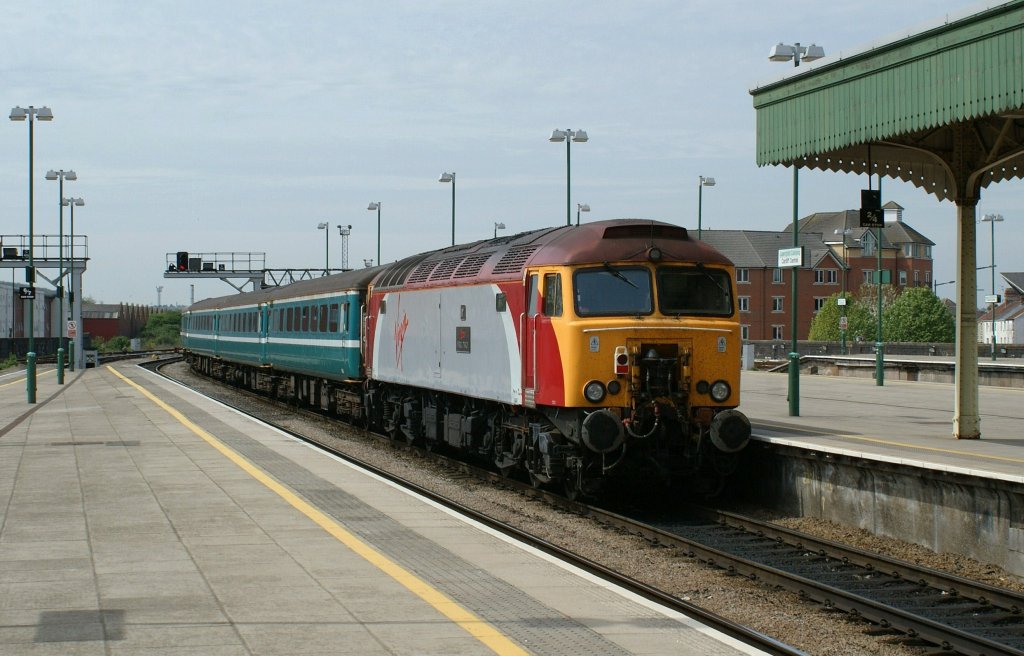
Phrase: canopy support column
x=966 y=419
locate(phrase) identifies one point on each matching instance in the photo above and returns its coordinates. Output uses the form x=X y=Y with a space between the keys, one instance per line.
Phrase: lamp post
x=327 y=245
x=783 y=53
x=992 y=219
x=375 y=205
x=20 y=114
x=568 y=136
x=703 y=182
x=60 y=176
x=842 y=304
x=72 y=345
x=498 y=225
x=581 y=207
x=446 y=177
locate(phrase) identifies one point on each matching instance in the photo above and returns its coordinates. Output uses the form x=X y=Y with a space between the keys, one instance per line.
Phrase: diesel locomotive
x=579 y=356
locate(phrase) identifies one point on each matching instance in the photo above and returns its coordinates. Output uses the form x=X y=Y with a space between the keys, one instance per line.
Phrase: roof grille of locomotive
x=513 y=260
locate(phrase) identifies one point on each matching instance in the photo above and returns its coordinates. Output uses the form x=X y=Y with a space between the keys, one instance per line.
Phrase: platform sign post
x=793 y=258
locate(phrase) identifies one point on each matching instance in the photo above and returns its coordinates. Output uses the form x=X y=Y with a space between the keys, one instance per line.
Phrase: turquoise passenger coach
x=310 y=327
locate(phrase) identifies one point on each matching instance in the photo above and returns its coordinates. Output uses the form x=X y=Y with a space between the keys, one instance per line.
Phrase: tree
x=825 y=325
x=162 y=329
x=918 y=315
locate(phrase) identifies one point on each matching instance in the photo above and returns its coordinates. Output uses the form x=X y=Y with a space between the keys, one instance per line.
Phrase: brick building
x=838 y=255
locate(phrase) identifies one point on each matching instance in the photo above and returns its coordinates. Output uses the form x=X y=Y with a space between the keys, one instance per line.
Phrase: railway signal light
x=182 y=260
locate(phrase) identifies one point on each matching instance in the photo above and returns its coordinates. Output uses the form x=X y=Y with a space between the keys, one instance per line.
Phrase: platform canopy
x=941 y=108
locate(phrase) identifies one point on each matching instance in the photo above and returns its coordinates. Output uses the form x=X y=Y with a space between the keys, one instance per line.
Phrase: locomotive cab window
x=612 y=290
x=532 y=303
x=553 y=294
x=694 y=291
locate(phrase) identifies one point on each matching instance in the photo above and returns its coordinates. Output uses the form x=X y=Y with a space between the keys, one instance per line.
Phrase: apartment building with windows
x=838 y=255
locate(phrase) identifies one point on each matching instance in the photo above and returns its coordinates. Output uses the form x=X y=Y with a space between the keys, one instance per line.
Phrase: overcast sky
x=239 y=126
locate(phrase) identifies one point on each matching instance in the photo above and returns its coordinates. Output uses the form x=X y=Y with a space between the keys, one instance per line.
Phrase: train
x=582 y=357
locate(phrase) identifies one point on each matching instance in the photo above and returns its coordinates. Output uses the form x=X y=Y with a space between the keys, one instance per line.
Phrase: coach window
x=314 y=318
x=304 y=326
x=333 y=324
x=323 y=318
x=553 y=294
x=531 y=303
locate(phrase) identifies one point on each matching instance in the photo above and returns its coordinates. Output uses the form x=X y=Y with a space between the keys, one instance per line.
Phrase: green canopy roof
x=942 y=108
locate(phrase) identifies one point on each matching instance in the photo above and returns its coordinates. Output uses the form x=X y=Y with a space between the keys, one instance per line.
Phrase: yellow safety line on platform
x=876 y=440
x=983 y=456
x=469 y=621
x=22 y=380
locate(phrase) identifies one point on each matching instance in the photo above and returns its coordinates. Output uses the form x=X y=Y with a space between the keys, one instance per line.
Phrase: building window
x=868 y=244
x=903 y=278
x=917 y=278
x=777 y=332
x=927 y=251
x=928 y=278
x=826 y=276
x=776 y=276
x=742 y=275
x=869 y=276
x=744 y=332
x=819 y=302
x=777 y=303
x=744 y=303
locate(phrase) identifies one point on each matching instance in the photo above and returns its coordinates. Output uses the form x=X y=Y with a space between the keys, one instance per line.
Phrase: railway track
x=925 y=605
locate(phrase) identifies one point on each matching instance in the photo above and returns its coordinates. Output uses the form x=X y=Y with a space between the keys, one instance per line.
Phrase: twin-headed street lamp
x=20 y=114
x=60 y=176
x=498 y=225
x=568 y=136
x=445 y=177
x=782 y=53
x=701 y=183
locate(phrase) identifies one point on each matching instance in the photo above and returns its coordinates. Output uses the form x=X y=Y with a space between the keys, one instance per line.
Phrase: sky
x=240 y=126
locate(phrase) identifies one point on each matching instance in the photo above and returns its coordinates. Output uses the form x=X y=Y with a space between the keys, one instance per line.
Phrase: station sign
x=26 y=293
x=844 y=323
x=791 y=257
x=993 y=298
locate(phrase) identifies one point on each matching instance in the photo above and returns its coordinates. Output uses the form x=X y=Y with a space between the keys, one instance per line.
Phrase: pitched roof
x=1015 y=280
x=833 y=224
x=758 y=249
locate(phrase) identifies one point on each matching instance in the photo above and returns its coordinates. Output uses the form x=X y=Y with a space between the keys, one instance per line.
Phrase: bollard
x=60 y=366
x=30 y=376
x=71 y=355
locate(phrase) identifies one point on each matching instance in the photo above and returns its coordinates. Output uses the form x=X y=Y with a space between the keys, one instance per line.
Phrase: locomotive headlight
x=720 y=390
x=594 y=391
x=614 y=387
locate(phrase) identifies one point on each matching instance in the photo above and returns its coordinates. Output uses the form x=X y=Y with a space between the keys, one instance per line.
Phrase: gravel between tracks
x=779 y=614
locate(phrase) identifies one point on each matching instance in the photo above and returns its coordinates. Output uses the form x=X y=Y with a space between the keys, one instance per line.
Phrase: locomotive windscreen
x=694 y=290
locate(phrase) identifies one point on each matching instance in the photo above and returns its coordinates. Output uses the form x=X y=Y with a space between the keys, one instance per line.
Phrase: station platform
x=908 y=423
x=140 y=518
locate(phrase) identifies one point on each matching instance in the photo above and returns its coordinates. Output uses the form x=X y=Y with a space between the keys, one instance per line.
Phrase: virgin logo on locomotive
x=400 y=329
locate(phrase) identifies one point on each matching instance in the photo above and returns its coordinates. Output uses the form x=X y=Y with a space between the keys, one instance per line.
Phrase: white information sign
x=790 y=257
x=72 y=329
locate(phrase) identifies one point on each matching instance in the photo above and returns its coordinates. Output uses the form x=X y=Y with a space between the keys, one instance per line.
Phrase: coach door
x=528 y=339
